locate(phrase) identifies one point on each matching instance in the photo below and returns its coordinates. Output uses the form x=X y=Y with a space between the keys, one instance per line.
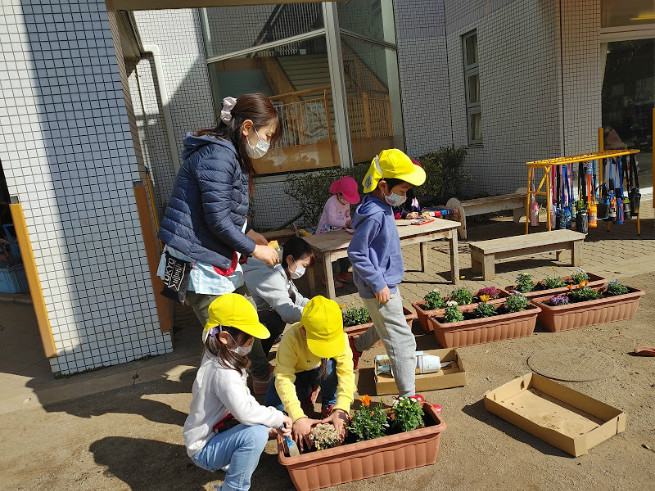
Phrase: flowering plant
x=354 y=316
x=558 y=300
x=324 y=435
x=516 y=302
x=524 y=283
x=583 y=293
x=407 y=413
x=484 y=310
x=615 y=288
x=463 y=296
x=579 y=277
x=368 y=423
x=491 y=291
x=452 y=313
x=553 y=282
x=433 y=300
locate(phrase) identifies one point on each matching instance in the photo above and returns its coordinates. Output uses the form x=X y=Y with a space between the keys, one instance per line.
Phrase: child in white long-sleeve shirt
x=226 y=427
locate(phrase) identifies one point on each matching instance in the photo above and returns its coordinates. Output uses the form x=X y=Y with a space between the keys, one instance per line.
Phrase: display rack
x=548 y=164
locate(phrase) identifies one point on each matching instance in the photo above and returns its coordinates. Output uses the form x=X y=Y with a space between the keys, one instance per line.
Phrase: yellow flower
x=365 y=400
x=583 y=283
x=462 y=277
x=342 y=305
x=484 y=298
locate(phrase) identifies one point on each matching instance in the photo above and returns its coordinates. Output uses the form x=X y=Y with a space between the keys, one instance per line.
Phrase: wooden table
x=334 y=245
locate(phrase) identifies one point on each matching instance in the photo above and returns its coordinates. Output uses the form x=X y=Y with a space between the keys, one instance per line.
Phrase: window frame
x=473 y=108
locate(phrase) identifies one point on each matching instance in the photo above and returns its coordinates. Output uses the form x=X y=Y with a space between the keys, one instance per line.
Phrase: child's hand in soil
x=383 y=295
x=339 y=418
x=301 y=429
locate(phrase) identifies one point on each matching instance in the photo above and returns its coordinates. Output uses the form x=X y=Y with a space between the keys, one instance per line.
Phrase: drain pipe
x=165 y=102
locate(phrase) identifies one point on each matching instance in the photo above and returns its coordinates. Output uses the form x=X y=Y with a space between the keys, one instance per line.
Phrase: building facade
x=97 y=97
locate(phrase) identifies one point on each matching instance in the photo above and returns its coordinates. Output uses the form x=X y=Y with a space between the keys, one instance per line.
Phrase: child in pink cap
x=336 y=215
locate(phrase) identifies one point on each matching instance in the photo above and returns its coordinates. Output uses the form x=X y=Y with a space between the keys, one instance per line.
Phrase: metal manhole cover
x=572 y=364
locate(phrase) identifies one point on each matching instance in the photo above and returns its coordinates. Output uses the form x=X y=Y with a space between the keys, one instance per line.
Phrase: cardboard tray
x=450 y=376
x=563 y=417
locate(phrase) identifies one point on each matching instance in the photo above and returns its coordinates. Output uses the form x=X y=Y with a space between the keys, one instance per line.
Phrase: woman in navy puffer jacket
x=205 y=220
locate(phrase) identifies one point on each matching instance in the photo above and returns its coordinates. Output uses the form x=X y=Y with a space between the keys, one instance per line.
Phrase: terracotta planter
x=423 y=315
x=590 y=313
x=354 y=331
x=594 y=280
x=486 y=329
x=365 y=459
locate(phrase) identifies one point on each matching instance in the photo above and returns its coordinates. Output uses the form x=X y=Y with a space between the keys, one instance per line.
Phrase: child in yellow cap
x=377 y=260
x=314 y=352
x=226 y=427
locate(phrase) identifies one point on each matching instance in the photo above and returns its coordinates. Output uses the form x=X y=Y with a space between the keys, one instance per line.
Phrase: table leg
x=454 y=257
x=311 y=278
x=424 y=256
x=329 y=277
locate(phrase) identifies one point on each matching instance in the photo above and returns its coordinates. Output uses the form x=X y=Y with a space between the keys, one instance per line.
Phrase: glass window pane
x=616 y=13
x=373 y=96
x=628 y=98
x=475 y=127
x=299 y=86
x=371 y=18
x=471 y=49
x=232 y=29
x=473 y=83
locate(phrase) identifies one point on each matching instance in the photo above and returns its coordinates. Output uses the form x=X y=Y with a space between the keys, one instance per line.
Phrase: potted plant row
x=508 y=318
x=583 y=305
x=357 y=320
x=379 y=441
x=526 y=285
x=433 y=302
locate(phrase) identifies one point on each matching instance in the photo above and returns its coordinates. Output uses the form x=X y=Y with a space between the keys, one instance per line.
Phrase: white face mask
x=241 y=350
x=259 y=150
x=395 y=199
x=300 y=270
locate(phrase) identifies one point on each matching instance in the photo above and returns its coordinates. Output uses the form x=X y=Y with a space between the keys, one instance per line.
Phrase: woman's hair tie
x=226 y=112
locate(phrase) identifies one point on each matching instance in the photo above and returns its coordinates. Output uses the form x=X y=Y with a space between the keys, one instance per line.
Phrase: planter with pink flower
x=380 y=441
x=485 y=322
x=433 y=303
x=583 y=306
x=550 y=285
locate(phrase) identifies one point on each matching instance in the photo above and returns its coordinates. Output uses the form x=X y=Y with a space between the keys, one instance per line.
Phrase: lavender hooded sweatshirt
x=374 y=250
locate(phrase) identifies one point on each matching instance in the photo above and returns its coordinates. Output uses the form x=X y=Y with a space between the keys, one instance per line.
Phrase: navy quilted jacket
x=209 y=203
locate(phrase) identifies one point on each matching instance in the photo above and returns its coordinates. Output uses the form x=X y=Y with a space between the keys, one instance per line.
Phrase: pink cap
x=348 y=187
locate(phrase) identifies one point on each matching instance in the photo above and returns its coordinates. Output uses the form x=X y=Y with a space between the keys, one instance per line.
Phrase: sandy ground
x=130 y=437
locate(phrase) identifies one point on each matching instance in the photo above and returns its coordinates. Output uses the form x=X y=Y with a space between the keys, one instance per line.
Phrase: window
x=472 y=88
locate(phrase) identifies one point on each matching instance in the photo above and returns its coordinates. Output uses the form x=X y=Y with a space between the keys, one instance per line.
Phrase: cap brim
x=415 y=178
x=353 y=199
x=329 y=348
x=258 y=330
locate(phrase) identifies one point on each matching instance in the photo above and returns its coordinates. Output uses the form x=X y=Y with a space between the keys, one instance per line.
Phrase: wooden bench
x=490 y=204
x=484 y=253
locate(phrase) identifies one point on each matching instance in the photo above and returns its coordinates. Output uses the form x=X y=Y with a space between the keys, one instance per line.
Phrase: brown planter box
x=590 y=313
x=423 y=315
x=485 y=330
x=369 y=458
x=594 y=280
x=354 y=331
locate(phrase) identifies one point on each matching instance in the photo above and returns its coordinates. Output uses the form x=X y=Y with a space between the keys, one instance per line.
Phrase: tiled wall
x=67 y=152
x=177 y=34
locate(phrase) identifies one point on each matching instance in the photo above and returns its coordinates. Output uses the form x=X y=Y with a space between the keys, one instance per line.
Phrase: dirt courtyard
x=131 y=437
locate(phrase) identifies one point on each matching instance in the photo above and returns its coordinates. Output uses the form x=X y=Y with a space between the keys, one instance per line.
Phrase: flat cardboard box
x=563 y=417
x=453 y=375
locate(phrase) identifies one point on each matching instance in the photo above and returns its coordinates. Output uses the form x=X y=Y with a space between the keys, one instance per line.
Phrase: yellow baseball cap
x=236 y=311
x=392 y=163
x=323 y=325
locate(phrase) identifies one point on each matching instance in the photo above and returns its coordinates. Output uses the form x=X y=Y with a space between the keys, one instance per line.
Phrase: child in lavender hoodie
x=377 y=261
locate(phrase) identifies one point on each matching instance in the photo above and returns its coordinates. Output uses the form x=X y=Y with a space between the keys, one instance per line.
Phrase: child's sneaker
x=337 y=283
x=326 y=411
x=345 y=277
x=356 y=354
x=260 y=385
